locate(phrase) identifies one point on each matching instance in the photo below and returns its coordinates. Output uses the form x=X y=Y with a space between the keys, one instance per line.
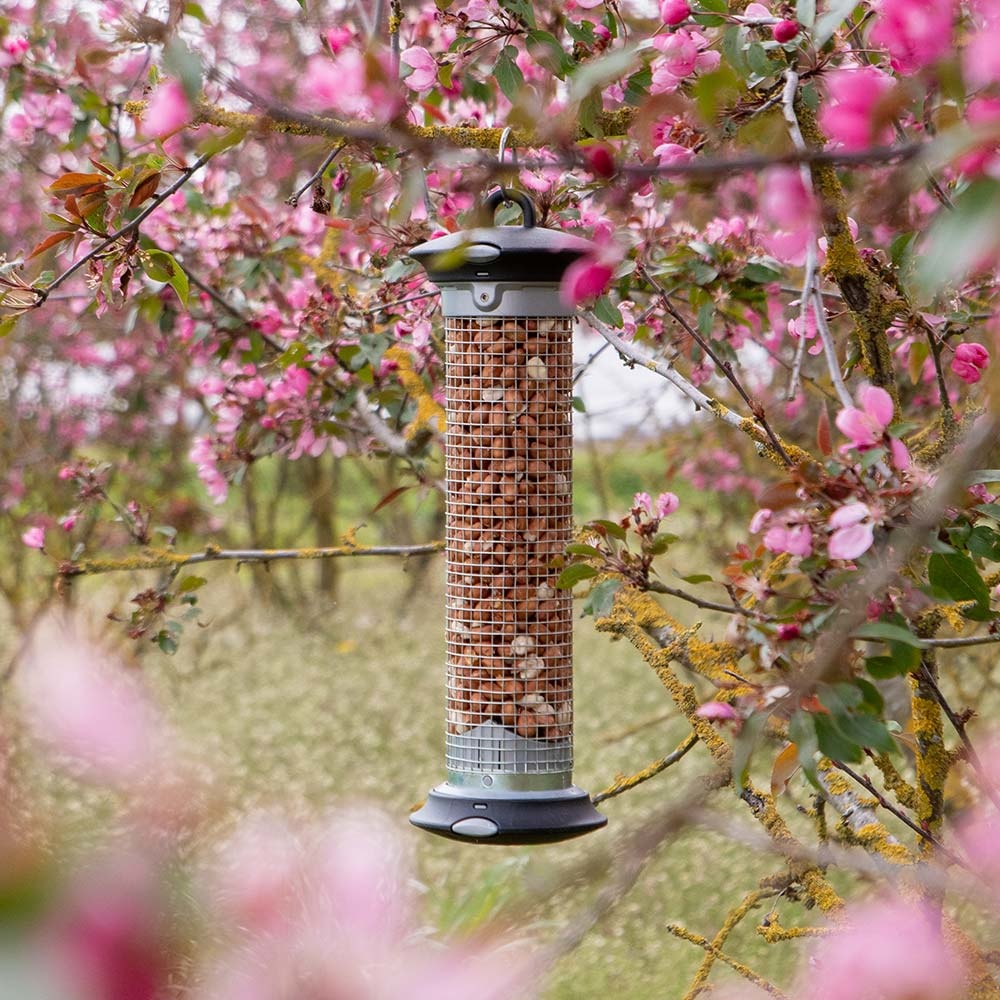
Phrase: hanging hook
x=504 y=139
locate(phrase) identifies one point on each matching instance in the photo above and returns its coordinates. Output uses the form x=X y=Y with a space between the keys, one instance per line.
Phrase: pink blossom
x=916 y=32
x=795 y=539
x=683 y=52
x=674 y=11
x=642 y=502
x=784 y=199
x=899 y=454
x=68 y=523
x=853 y=532
x=891 y=951
x=981 y=59
x=666 y=504
x=969 y=362
x=168 y=110
x=585 y=279
x=866 y=426
x=983 y=112
x=337 y=38
x=34 y=538
x=671 y=153
x=785 y=31
x=854 y=97
x=760 y=520
x=424 y=66
x=84 y=707
x=716 y=710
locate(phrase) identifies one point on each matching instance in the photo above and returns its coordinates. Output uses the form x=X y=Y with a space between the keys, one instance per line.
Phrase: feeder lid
x=502 y=253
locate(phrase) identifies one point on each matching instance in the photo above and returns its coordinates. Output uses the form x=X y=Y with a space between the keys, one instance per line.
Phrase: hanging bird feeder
x=508 y=456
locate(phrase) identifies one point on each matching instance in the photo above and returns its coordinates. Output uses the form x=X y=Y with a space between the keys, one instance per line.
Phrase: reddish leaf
x=49 y=241
x=149 y=181
x=785 y=765
x=778 y=496
x=390 y=496
x=74 y=183
x=823 y=438
x=103 y=167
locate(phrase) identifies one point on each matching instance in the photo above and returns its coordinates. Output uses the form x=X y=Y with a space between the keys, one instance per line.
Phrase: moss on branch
x=458 y=136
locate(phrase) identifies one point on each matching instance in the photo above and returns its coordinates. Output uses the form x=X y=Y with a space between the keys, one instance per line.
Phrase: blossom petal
x=850 y=542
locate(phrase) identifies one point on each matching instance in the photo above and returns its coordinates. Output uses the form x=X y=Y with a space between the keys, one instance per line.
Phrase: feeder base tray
x=521 y=818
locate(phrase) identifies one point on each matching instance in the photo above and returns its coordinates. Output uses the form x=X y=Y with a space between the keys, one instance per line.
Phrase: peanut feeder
x=508 y=373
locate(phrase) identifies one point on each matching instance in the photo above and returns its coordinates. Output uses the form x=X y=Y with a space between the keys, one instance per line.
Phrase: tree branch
x=165 y=559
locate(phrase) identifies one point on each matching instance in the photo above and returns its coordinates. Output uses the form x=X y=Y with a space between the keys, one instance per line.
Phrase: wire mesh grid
x=509 y=515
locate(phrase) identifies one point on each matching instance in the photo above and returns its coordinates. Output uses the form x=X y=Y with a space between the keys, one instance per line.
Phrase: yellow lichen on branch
x=152 y=558
x=459 y=136
x=430 y=413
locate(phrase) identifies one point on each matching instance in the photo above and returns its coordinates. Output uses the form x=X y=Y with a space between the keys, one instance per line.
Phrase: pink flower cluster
x=684 y=52
x=916 y=32
x=854 y=95
x=867 y=425
x=666 y=504
x=970 y=361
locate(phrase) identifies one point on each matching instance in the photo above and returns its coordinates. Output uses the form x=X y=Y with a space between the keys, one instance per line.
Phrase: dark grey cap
x=526 y=253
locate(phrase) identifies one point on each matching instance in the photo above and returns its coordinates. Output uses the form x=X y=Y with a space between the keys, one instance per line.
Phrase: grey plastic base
x=511 y=818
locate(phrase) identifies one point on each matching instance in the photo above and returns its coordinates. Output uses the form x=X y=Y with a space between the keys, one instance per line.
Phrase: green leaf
x=7 y=323
x=582 y=549
x=744 y=745
x=196 y=11
x=802 y=732
x=522 y=8
x=546 y=50
x=697 y=578
x=612 y=528
x=608 y=313
x=831 y=20
x=982 y=476
x=888 y=632
x=590 y=107
x=805 y=12
x=984 y=542
x=574 y=574
x=508 y=73
x=579 y=405
x=602 y=598
x=832 y=743
x=954 y=576
x=173 y=274
x=189 y=583
x=716 y=6
x=760 y=274
x=900 y=660
x=596 y=74
x=989 y=509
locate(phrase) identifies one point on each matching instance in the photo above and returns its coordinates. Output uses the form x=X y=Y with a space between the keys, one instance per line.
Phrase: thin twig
x=959 y=724
x=724 y=366
x=625 y=784
x=867 y=783
x=293 y=199
x=729 y=609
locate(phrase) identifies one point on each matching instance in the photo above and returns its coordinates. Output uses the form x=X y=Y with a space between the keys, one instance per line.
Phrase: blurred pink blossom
x=970 y=361
x=666 y=504
x=916 y=32
x=854 y=96
x=716 y=710
x=424 y=66
x=852 y=531
x=585 y=279
x=865 y=426
x=34 y=538
x=168 y=110
x=795 y=539
x=83 y=707
x=891 y=951
x=674 y=11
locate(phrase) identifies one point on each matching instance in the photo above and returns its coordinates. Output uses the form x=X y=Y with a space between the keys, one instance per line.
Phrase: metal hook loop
x=504 y=139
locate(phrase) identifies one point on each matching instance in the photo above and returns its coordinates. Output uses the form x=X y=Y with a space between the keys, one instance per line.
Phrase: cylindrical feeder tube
x=508 y=455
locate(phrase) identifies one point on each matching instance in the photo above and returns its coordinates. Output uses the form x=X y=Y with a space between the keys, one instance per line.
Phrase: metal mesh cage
x=509 y=515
